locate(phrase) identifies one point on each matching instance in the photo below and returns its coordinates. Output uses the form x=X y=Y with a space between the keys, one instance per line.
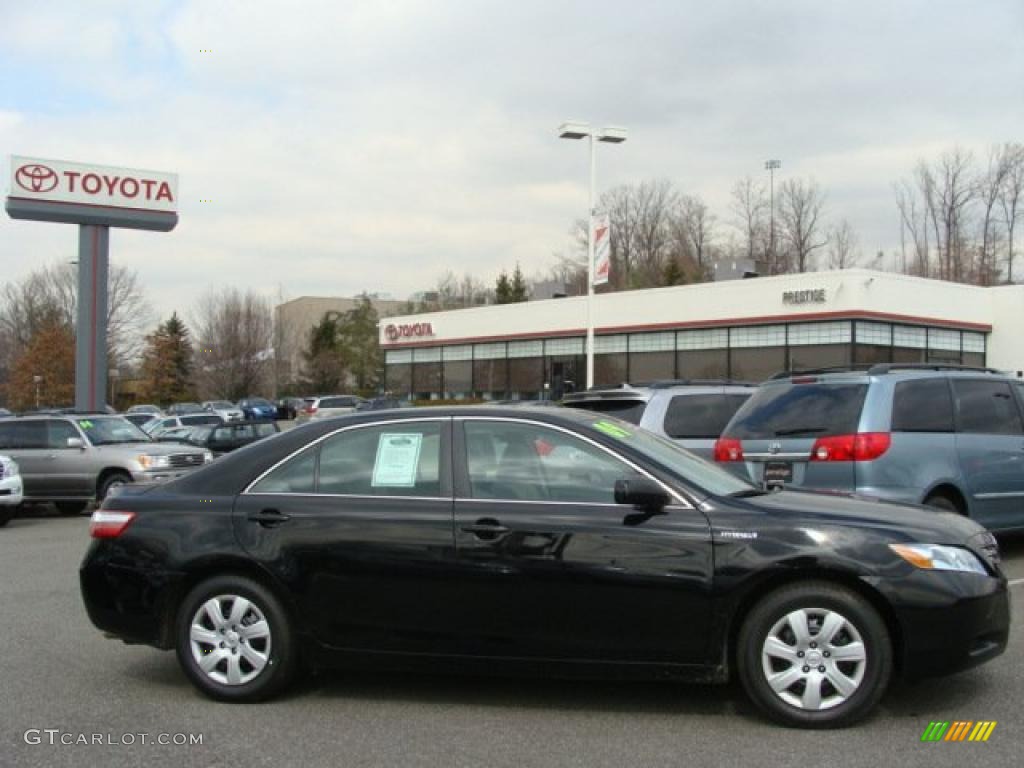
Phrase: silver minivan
x=945 y=436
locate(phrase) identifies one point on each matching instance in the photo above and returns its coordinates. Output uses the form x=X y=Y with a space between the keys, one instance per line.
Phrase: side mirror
x=642 y=493
x=76 y=442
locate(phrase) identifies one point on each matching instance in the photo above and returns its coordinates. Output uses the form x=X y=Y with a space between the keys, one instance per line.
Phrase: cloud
x=375 y=145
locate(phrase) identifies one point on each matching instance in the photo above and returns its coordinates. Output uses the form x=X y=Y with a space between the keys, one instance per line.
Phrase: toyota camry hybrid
x=544 y=541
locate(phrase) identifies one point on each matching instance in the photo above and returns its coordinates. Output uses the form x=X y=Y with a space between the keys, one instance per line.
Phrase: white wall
x=760 y=298
x=1006 y=344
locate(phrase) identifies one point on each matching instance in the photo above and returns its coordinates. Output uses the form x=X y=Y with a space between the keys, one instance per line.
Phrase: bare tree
x=990 y=188
x=1010 y=198
x=234 y=332
x=843 y=252
x=800 y=208
x=948 y=190
x=913 y=219
x=749 y=207
x=696 y=224
x=25 y=305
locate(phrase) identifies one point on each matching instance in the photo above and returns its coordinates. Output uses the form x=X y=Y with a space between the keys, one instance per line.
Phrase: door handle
x=268 y=518
x=486 y=528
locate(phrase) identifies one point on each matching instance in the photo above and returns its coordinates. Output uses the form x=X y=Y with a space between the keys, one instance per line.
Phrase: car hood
x=898 y=522
x=151 y=449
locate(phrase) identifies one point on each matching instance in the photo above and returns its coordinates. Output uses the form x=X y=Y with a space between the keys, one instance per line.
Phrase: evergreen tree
x=359 y=346
x=167 y=363
x=672 y=274
x=325 y=368
x=517 y=289
x=503 y=289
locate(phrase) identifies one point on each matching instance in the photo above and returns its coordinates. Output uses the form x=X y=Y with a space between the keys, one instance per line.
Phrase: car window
x=58 y=432
x=627 y=410
x=221 y=435
x=201 y=419
x=817 y=409
x=266 y=429
x=24 y=435
x=700 y=416
x=297 y=475
x=399 y=459
x=922 y=405
x=338 y=402
x=986 y=407
x=532 y=462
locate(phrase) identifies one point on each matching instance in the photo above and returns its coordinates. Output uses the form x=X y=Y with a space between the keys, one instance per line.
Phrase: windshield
x=660 y=450
x=112 y=431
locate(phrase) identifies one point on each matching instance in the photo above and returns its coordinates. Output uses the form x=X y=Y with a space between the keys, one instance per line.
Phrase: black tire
x=69 y=508
x=111 y=480
x=281 y=660
x=943 y=502
x=6 y=514
x=817 y=598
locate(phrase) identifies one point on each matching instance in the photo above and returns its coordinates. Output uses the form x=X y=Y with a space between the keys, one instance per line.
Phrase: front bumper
x=11 y=490
x=160 y=475
x=948 y=621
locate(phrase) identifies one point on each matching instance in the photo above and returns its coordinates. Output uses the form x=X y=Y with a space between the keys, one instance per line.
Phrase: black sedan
x=542 y=540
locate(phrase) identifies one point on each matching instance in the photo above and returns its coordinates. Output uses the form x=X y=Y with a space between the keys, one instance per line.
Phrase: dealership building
x=739 y=329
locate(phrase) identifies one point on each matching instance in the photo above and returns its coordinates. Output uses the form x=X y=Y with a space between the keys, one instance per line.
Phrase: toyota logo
x=391 y=332
x=36 y=178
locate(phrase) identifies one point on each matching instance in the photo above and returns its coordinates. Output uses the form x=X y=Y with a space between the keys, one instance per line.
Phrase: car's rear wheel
x=69 y=508
x=943 y=502
x=814 y=655
x=234 y=640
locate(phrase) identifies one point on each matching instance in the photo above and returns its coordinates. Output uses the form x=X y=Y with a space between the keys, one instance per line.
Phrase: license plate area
x=777 y=473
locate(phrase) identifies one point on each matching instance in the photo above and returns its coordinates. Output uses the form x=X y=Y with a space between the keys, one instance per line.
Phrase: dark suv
x=690 y=412
x=946 y=436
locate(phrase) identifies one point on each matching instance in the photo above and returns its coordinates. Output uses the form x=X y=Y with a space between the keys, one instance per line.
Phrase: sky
x=350 y=145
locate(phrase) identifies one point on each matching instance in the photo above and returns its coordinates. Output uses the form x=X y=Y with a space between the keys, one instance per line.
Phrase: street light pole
x=609 y=135
x=771 y=165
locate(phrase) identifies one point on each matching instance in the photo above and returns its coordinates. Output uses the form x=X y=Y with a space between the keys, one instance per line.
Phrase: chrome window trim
x=446 y=499
x=1000 y=495
x=247 y=490
x=680 y=501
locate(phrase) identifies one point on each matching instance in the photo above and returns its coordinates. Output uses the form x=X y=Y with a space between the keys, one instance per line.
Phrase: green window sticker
x=85 y=424
x=614 y=430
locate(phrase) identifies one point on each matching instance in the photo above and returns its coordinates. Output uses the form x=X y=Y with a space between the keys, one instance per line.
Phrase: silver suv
x=74 y=458
x=690 y=412
x=946 y=436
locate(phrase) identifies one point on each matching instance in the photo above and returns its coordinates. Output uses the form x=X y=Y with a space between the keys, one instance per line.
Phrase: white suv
x=10 y=488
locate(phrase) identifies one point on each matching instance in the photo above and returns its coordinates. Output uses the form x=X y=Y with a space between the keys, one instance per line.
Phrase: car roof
x=896 y=370
x=647 y=391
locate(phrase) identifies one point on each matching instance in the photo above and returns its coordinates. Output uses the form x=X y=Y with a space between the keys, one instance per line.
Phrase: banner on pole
x=601 y=224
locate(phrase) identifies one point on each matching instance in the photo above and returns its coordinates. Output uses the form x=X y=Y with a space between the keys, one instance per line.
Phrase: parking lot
x=59 y=673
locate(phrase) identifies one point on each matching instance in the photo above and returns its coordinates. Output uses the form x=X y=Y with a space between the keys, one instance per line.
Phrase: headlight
x=207 y=457
x=935 y=557
x=154 y=462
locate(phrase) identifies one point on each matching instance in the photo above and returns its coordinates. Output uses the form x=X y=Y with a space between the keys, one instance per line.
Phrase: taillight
x=864 y=446
x=109 y=523
x=311 y=409
x=728 y=449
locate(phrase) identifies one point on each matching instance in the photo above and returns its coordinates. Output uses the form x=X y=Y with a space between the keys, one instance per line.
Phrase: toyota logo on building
x=408 y=330
x=36 y=178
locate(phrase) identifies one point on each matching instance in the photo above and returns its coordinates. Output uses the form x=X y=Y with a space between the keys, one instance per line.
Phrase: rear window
x=799 y=410
x=211 y=419
x=696 y=416
x=338 y=402
x=627 y=410
x=922 y=406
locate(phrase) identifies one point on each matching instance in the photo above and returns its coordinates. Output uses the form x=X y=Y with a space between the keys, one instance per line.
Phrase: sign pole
x=91 y=321
x=590 y=267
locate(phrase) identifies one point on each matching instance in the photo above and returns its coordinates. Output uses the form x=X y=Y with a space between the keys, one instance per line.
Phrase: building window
x=757 y=353
x=495 y=351
x=713 y=338
x=703 y=364
x=807 y=334
x=490 y=379
x=559 y=347
x=609 y=370
x=398 y=379
x=458 y=379
x=426 y=381
x=525 y=377
x=652 y=342
x=460 y=352
x=758 y=336
x=908 y=344
x=525 y=349
x=645 y=367
x=875 y=334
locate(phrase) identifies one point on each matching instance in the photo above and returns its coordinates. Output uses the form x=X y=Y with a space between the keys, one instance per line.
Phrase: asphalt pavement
x=61 y=681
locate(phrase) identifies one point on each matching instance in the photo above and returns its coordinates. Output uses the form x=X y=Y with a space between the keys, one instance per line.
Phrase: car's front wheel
x=814 y=655
x=234 y=640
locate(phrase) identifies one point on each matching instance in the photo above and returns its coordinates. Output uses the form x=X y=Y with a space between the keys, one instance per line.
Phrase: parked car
x=73 y=459
x=4 y=412
x=180 y=409
x=288 y=408
x=10 y=489
x=224 y=438
x=153 y=410
x=327 y=406
x=944 y=436
x=583 y=544
x=258 y=408
x=157 y=427
x=693 y=413
x=224 y=409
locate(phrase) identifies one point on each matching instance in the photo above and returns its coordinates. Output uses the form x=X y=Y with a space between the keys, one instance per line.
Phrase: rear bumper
x=948 y=622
